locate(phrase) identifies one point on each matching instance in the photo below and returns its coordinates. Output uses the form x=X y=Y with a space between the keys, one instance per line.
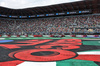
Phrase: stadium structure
x=65 y=34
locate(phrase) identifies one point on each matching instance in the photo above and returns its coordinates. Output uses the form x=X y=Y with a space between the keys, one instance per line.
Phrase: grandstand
x=78 y=18
x=65 y=34
x=78 y=25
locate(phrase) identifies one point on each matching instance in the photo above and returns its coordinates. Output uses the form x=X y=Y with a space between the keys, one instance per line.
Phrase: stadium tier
x=77 y=25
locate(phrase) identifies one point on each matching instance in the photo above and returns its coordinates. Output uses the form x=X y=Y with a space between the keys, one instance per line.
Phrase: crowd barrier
x=78 y=36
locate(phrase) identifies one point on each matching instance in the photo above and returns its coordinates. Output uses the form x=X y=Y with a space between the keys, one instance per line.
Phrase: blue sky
x=20 y=4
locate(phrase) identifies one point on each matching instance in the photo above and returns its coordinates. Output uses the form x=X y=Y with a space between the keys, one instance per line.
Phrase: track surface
x=62 y=51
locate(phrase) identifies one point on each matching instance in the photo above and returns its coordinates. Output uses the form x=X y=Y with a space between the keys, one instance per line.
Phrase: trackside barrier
x=46 y=35
x=90 y=36
x=78 y=36
x=5 y=36
x=51 y=35
x=30 y=35
x=15 y=36
x=57 y=35
x=67 y=35
x=23 y=36
x=96 y=35
x=62 y=35
x=73 y=35
x=38 y=36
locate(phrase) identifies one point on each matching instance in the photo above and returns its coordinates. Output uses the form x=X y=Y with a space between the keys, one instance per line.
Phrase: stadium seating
x=77 y=25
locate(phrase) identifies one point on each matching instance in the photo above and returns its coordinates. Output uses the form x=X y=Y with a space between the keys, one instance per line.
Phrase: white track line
x=89 y=53
x=26 y=63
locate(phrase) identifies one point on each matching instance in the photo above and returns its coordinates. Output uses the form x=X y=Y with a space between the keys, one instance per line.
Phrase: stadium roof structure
x=80 y=5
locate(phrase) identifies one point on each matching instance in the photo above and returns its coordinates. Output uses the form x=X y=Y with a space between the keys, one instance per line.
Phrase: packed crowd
x=57 y=25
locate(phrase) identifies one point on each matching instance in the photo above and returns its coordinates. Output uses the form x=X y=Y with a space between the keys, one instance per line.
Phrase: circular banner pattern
x=42 y=55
